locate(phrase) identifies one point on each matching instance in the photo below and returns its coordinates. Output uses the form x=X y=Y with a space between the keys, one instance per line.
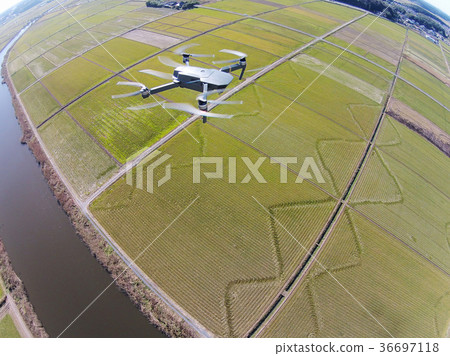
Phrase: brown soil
x=381 y=47
x=420 y=124
x=151 y=306
x=430 y=70
x=17 y=292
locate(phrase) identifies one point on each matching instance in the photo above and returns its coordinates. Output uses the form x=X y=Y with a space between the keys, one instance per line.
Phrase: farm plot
x=40 y=66
x=119 y=53
x=403 y=203
x=298 y=133
x=23 y=78
x=38 y=103
x=73 y=78
x=427 y=82
x=122 y=132
x=423 y=105
x=412 y=302
x=264 y=36
x=59 y=55
x=151 y=38
x=7 y=328
x=425 y=54
x=79 y=158
x=353 y=92
x=413 y=151
x=218 y=264
x=302 y=19
x=242 y=6
x=376 y=39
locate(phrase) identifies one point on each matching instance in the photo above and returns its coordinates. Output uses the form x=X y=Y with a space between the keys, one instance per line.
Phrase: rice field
x=242 y=6
x=412 y=302
x=216 y=228
x=39 y=103
x=74 y=78
x=23 y=78
x=85 y=165
x=422 y=104
x=403 y=203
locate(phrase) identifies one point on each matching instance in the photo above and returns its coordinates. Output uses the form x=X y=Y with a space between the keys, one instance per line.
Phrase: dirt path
x=11 y=308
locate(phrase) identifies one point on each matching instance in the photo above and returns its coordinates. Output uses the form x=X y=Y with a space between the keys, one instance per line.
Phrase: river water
x=58 y=271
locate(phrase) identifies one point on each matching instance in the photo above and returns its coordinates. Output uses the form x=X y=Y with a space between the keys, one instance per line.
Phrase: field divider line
x=160 y=103
x=225 y=96
x=312 y=260
x=322 y=240
x=445 y=57
x=143 y=59
x=129 y=266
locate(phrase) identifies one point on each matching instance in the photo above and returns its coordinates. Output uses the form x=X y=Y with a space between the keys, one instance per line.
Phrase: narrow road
x=11 y=308
x=295 y=280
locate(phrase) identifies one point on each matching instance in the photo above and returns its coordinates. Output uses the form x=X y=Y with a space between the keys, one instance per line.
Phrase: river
x=59 y=273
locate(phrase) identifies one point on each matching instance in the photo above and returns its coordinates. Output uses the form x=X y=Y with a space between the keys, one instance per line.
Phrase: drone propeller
x=204 y=96
x=133 y=84
x=194 y=111
x=168 y=62
x=255 y=70
x=146 y=106
x=182 y=51
x=241 y=56
x=157 y=74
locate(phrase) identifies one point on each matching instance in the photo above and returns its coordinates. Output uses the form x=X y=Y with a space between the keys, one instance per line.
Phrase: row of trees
x=183 y=5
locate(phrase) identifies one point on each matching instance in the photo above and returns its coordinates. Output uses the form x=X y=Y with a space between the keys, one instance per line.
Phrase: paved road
x=11 y=308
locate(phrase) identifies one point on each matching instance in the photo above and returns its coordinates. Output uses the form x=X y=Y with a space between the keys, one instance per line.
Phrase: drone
x=207 y=81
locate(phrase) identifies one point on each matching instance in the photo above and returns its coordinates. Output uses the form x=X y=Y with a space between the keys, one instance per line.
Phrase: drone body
x=203 y=80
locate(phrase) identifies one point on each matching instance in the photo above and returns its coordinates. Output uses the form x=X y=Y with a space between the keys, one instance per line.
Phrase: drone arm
x=164 y=87
x=236 y=66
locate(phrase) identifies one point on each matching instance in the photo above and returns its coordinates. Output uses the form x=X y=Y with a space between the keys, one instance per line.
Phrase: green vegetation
x=405 y=294
x=74 y=78
x=119 y=53
x=337 y=12
x=7 y=328
x=40 y=66
x=425 y=81
x=425 y=51
x=218 y=264
x=81 y=160
x=302 y=19
x=39 y=103
x=241 y=6
x=22 y=79
x=403 y=203
x=422 y=104
x=414 y=152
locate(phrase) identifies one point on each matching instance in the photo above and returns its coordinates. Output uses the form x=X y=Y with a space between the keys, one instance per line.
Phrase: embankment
x=151 y=306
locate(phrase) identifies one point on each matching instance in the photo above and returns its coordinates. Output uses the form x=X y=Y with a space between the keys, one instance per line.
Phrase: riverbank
x=19 y=306
x=150 y=305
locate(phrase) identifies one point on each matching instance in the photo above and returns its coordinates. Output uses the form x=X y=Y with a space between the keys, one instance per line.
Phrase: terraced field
x=362 y=253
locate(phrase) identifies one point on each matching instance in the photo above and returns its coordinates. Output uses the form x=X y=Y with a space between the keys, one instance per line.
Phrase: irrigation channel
x=59 y=273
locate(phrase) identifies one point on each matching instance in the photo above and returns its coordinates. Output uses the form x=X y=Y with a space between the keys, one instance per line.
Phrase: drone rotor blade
x=146 y=106
x=255 y=70
x=169 y=62
x=182 y=49
x=226 y=61
x=224 y=102
x=133 y=84
x=126 y=95
x=157 y=74
x=194 y=111
x=236 y=53
x=195 y=55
